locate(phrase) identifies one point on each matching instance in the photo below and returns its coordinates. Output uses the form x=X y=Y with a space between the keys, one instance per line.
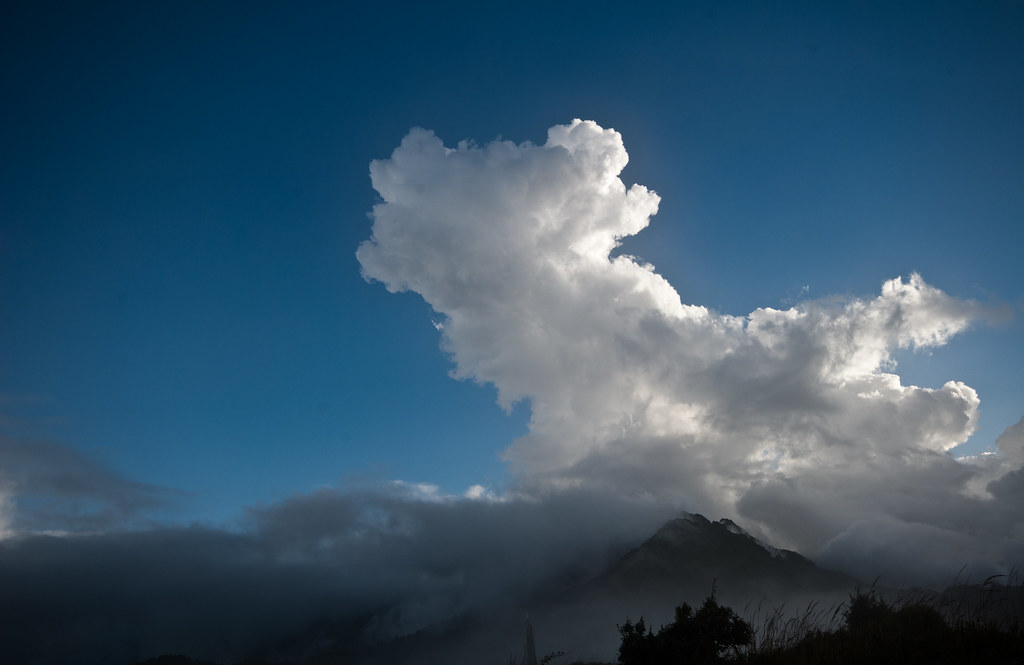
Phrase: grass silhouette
x=962 y=625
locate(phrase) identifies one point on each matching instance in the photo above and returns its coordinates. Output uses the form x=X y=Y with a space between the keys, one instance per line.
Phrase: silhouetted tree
x=866 y=610
x=637 y=644
x=697 y=638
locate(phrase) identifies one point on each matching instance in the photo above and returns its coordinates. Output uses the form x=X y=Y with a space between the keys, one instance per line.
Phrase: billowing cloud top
x=791 y=419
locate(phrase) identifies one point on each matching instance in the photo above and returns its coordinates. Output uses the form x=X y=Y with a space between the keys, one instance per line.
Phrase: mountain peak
x=688 y=554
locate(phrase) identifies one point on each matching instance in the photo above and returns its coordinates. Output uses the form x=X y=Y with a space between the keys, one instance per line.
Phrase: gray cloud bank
x=378 y=562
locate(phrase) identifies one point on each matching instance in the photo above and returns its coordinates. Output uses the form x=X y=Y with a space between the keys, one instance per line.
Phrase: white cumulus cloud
x=794 y=420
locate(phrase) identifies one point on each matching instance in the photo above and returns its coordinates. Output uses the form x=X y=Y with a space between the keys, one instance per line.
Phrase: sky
x=756 y=261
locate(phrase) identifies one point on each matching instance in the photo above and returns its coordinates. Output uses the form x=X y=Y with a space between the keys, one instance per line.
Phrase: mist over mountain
x=685 y=560
x=224 y=597
x=680 y=559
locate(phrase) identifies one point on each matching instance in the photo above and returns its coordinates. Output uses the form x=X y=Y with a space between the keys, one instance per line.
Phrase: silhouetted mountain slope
x=690 y=554
x=679 y=563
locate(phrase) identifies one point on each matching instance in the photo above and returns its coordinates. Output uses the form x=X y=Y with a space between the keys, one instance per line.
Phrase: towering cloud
x=793 y=420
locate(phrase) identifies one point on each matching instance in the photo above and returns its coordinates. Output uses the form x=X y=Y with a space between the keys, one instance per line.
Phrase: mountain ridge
x=690 y=551
x=685 y=560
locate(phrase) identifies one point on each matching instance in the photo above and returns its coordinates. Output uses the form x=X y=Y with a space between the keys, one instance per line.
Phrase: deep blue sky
x=184 y=185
